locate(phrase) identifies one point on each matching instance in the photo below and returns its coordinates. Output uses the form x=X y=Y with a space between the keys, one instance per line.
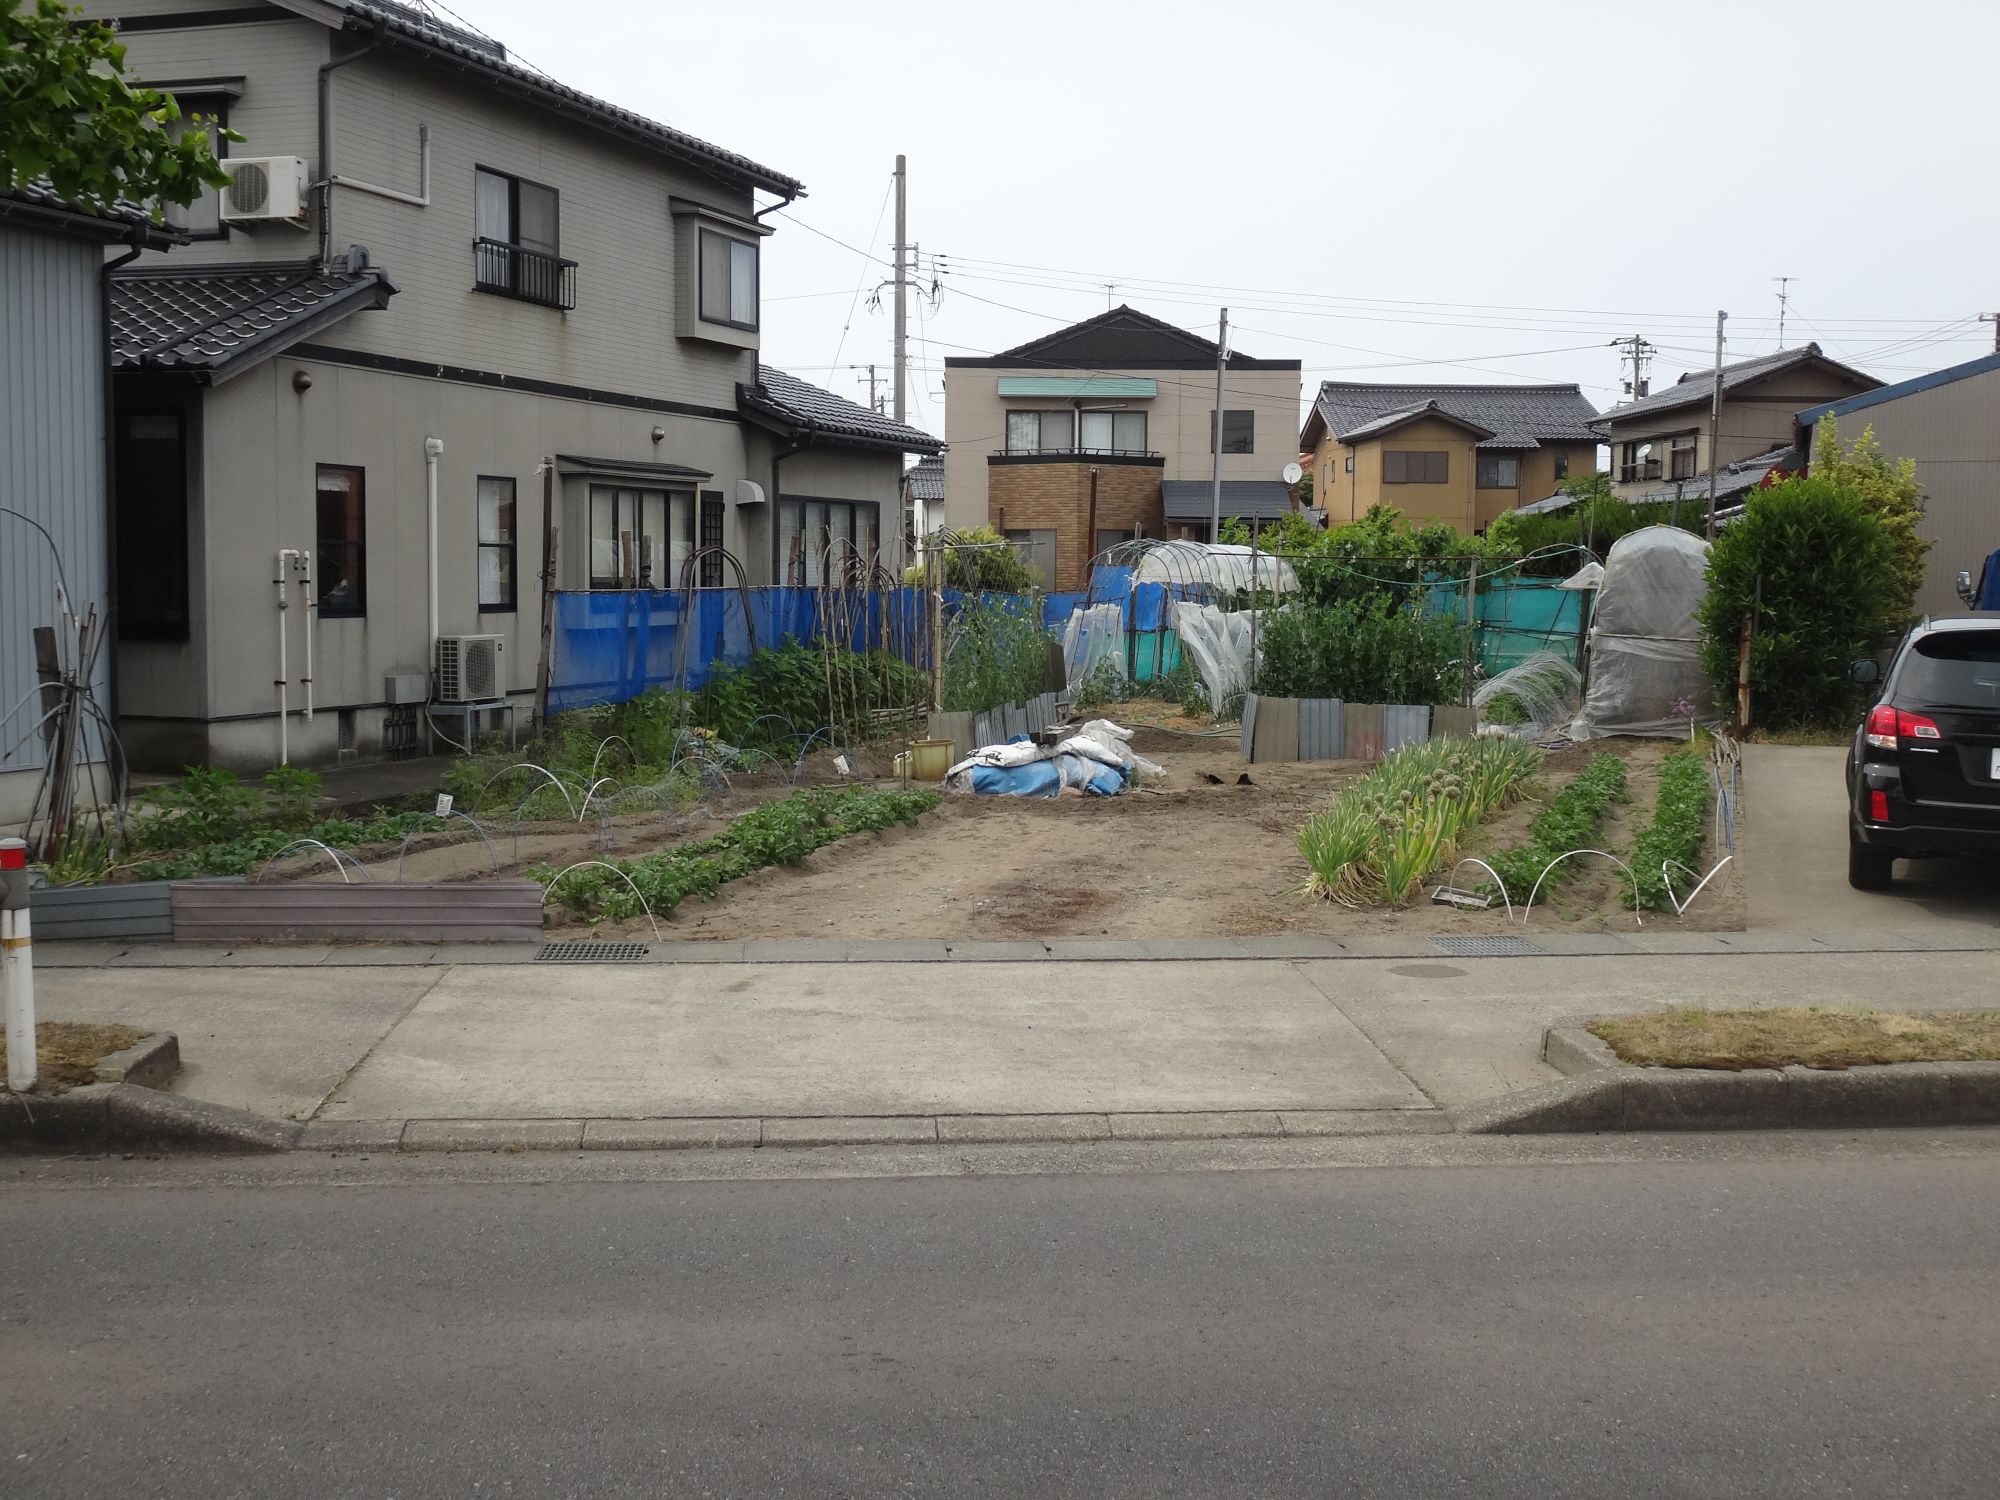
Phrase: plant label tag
x=840 y=765
x=444 y=804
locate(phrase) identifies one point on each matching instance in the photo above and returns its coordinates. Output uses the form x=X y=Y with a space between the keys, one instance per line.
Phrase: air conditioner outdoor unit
x=468 y=669
x=265 y=188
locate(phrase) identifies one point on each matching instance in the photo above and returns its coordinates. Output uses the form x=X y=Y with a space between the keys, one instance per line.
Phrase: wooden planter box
x=134 y=909
x=478 y=911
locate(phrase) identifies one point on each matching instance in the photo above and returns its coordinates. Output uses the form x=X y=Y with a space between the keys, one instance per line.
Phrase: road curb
x=1604 y=1094
x=672 y=1133
x=128 y=1117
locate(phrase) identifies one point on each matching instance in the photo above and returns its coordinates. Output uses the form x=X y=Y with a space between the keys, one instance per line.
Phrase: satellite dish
x=1292 y=473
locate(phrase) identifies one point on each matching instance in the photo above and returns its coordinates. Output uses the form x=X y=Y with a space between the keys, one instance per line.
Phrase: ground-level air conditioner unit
x=468 y=669
x=264 y=188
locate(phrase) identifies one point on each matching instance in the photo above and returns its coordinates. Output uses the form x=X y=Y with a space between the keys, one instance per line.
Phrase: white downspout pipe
x=433 y=450
x=285 y=558
x=310 y=602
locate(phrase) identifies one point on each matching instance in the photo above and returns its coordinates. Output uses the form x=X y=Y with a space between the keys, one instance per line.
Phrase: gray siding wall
x=1953 y=432
x=51 y=461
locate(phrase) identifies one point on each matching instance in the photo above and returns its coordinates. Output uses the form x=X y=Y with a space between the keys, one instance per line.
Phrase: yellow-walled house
x=1460 y=454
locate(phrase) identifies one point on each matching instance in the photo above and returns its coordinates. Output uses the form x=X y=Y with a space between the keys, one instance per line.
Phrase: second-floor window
x=517 y=240
x=1239 y=432
x=1113 y=431
x=1681 y=457
x=728 y=280
x=1637 y=462
x=201 y=115
x=1416 y=466
x=1041 y=431
x=1562 y=464
x=1497 y=473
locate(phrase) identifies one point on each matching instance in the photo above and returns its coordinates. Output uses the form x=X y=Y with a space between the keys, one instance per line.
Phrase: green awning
x=1069 y=387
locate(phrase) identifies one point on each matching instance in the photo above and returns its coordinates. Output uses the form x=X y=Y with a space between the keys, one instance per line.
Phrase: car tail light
x=1878 y=807
x=1888 y=727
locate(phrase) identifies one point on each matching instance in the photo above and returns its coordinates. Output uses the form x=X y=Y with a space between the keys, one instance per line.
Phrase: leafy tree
x=1889 y=488
x=1235 y=532
x=68 y=113
x=1304 y=488
x=979 y=561
x=1812 y=561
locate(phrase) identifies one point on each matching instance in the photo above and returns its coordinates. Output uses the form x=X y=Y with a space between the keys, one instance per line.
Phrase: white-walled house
x=442 y=284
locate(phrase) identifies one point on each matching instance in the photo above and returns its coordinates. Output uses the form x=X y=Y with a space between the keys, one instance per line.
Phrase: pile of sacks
x=1096 y=761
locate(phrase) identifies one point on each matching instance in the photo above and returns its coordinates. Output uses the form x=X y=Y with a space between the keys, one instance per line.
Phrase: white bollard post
x=17 y=965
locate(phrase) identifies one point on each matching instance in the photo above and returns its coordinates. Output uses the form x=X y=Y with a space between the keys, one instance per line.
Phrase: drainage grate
x=591 y=953
x=1487 y=947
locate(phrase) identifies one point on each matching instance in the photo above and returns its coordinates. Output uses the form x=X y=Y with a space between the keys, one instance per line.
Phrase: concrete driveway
x=1795 y=857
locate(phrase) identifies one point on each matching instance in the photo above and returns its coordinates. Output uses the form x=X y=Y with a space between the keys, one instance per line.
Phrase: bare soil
x=1199 y=855
x=67 y=1052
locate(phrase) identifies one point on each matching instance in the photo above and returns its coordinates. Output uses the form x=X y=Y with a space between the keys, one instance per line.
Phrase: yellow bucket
x=930 y=759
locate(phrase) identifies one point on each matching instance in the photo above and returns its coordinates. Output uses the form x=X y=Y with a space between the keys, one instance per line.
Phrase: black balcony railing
x=531 y=275
x=1645 y=469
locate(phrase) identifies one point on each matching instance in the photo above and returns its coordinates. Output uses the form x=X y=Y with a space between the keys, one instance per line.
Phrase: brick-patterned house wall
x=1056 y=497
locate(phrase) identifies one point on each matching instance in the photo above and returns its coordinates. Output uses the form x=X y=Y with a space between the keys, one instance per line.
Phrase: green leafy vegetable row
x=1571 y=821
x=776 y=833
x=1679 y=821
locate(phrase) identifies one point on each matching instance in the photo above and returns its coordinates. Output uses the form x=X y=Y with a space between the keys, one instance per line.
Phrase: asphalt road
x=1822 y=1326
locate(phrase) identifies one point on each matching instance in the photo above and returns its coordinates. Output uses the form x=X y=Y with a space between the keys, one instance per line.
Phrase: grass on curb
x=1810 y=1037
x=67 y=1052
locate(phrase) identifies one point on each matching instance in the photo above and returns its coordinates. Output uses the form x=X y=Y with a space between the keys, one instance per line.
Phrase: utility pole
x=1221 y=364
x=1109 y=288
x=1783 y=296
x=1640 y=353
x=1994 y=319
x=902 y=282
x=874 y=402
x=1715 y=425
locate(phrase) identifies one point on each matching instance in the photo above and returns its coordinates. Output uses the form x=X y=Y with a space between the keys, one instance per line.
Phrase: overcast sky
x=1454 y=190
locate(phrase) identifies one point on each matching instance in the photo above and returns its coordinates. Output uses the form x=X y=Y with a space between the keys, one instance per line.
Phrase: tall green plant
x=1809 y=563
x=995 y=652
x=1362 y=650
x=1889 y=488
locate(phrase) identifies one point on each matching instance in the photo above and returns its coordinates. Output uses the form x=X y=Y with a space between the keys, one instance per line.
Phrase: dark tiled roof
x=1389 y=421
x=397 y=25
x=1734 y=480
x=171 y=317
x=1518 y=416
x=1122 y=339
x=1248 y=499
x=1698 y=386
x=808 y=408
x=116 y=220
x=927 y=478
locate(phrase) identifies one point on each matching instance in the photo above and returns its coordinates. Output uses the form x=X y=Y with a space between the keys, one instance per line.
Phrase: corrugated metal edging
x=1277 y=736
x=1249 y=739
x=1361 y=723
x=956 y=727
x=139 y=909
x=1404 y=724
x=1321 y=735
x=1453 y=719
x=497 y=911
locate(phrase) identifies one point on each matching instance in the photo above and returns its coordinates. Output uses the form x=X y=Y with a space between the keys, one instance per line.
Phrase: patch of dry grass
x=1821 y=736
x=67 y=1052
x=1811 y=1037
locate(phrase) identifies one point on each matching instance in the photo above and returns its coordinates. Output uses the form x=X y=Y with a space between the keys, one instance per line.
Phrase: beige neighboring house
x=1667 y=436
x=1462 y=455
x=436 y=269
x=1949 y=422
x=1102 y=432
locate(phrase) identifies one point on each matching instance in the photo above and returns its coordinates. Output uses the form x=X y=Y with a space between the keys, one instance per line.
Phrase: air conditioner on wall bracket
x=265 y=189
x=468 y=669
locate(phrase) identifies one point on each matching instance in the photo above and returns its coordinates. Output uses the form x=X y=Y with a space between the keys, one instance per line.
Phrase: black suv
x=1923 y=776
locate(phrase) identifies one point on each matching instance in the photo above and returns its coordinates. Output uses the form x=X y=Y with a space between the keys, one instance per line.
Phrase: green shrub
x=1362 y=651
x=1386 y=832
x=1810 y=560
x=1674 y=836
x=1570 y=821
x=995 y=652
x=293 y=794
x=978 y=560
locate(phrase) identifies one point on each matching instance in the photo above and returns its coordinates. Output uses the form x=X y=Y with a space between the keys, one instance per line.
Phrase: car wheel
x=1868 y=869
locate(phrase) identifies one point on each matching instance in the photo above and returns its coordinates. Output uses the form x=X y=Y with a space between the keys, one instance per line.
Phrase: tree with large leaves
x=68 y=115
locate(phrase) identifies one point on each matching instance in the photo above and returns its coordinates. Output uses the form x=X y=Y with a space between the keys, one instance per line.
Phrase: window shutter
x=1395 y=468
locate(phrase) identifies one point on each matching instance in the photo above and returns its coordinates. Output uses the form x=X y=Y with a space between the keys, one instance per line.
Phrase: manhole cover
x=591 y=953
x=1487 y=947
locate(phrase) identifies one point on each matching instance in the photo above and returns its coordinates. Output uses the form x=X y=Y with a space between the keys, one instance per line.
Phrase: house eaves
x=397 y=28
x=1985 y=364
x=211 y=323
x=1697 y=388
x=36 y=203
x=794 y=408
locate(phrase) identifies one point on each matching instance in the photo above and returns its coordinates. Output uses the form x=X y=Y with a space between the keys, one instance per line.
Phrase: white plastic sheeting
x=1643 y=639
x=1223 y=567
x=1545 y=685
x=1094 y=636
x=1219 y=646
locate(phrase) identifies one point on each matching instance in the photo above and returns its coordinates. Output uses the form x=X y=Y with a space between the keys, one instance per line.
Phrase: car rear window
x=1958 y=668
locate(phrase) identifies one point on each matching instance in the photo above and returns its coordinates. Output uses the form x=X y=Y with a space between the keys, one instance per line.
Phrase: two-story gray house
x=449 y=308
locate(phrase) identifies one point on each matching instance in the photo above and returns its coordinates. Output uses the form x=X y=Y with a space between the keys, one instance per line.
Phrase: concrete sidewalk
x=821 y=1053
